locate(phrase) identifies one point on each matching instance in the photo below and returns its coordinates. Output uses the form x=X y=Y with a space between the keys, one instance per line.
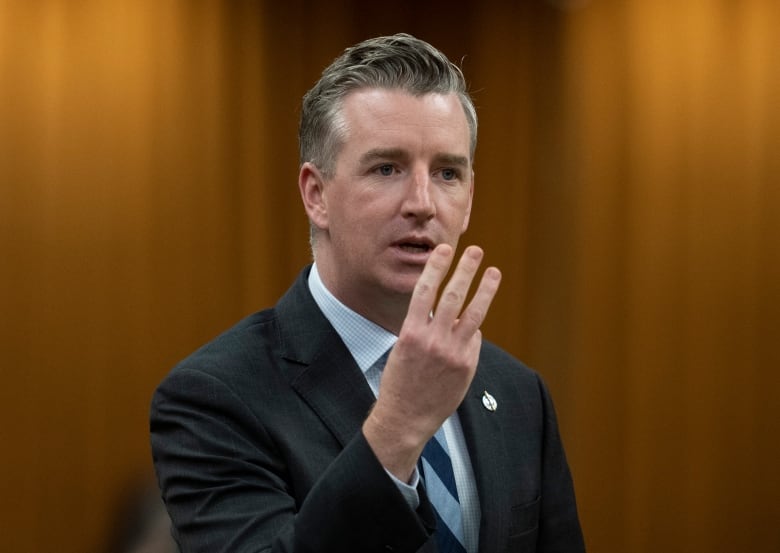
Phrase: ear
x=311 y=186
x=468 y=207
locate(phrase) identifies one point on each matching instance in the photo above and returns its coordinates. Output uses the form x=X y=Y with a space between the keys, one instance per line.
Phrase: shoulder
x=504 y=370
x=259 y=340
x=235 y=351
x=496 y=359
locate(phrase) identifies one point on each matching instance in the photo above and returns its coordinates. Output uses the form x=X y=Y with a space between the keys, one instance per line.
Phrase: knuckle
x=475 y=316
x=424 y=288
x=452 y=296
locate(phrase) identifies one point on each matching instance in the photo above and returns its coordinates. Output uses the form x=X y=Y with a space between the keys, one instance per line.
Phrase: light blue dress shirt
x=368 y=342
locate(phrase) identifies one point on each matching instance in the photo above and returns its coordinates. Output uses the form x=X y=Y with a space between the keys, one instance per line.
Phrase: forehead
x=393 y=117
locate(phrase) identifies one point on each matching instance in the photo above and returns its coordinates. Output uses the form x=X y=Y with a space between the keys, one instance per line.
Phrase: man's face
x=402 y=183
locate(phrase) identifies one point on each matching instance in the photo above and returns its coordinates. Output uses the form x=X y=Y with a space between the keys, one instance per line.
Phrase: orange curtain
x=671 y=132
x=627 y=185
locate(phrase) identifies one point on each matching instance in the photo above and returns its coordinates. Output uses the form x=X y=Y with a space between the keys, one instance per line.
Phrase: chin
x=402 y=284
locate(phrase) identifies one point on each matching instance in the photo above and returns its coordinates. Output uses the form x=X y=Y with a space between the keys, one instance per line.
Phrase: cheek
x=365 y=213
x=356 y=223
x=458 y=214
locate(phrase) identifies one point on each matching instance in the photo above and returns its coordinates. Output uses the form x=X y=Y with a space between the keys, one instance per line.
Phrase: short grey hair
x=399 y=61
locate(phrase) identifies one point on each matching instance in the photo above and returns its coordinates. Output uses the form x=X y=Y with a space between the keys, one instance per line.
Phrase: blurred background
x=628 y=186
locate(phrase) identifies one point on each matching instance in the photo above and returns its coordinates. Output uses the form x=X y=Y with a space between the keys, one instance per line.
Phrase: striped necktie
x=440 y=486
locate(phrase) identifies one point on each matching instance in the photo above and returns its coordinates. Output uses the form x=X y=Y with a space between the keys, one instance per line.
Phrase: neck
x=376 y=305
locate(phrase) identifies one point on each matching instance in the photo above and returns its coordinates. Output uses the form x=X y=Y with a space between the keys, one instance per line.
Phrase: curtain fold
x=627 y=184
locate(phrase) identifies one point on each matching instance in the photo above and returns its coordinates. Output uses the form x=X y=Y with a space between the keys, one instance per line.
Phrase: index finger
x=427 y=286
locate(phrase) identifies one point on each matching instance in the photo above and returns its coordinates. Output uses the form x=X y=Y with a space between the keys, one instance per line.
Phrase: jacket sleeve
x=227 y=488
x=559 y=526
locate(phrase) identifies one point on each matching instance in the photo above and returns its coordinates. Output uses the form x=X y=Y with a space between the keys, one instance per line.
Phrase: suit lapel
x=484 y=440
x=320 y=368
x=337 y=391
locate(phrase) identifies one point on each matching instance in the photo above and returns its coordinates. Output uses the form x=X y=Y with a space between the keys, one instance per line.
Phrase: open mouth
x=415 y=247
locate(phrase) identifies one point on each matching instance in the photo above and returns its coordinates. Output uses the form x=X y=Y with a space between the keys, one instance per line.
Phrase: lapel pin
x=489 y=401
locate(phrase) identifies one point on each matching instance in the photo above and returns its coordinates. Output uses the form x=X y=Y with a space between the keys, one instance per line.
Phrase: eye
x=385 y=170
x=449 y=174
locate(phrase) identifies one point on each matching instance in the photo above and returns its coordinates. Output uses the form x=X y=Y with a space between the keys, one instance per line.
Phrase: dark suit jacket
x=257 y=446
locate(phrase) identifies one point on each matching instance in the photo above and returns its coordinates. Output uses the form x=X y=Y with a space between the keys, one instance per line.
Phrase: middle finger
x=454 y=295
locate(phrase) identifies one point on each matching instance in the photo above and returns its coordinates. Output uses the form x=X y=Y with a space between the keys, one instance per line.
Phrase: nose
x=418 y=202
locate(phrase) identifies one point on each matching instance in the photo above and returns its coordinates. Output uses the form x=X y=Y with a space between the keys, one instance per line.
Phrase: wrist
x=394 y=442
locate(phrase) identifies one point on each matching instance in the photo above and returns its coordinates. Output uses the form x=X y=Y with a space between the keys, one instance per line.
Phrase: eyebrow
x=452 y=159
x=376 y=154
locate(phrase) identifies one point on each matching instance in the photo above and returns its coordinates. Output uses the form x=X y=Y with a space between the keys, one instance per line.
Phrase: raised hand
x=433 y=362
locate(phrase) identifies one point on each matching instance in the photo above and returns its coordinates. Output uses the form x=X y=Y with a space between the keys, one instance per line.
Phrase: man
x=362 y=414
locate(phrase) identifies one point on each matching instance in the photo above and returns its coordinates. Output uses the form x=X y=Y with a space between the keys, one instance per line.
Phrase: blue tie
x=440 y=486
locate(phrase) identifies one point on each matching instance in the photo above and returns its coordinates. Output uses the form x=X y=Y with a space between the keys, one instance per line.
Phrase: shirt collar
x=365 y=340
